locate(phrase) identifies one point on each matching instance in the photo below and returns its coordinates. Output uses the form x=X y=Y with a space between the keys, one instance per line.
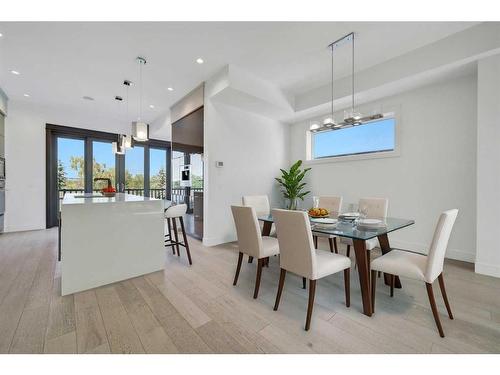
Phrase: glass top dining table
x=359 y=236
x=352 y=230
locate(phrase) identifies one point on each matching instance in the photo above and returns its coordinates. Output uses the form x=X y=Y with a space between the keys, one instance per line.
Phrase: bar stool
x=171 y=214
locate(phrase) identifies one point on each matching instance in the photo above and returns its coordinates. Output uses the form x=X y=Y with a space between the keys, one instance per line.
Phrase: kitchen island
x=109 y=239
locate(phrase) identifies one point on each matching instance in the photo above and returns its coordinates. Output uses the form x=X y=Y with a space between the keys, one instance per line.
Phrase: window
x=374 y=137
x=157 y=173
x=103 y=164
x=134 y=170
x=70 y=165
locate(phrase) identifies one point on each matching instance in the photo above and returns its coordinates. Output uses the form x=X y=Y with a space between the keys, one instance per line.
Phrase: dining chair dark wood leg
x=315 y=242
x=303 y=283
x=186 y=244
x=347 y=286
x=250 y=259
x=368 y=258
x=432 y=302
x=310 y=305
x=445 y=297
x=176 y=235
x=280 y=289
x=169 y=224
x=330 y=241
x=335 y=245
x=348 y=252
x=267 y=262
x=393 y=278
x=379 y=274
x=238 y=267
x=260 y=263
x=374 y=286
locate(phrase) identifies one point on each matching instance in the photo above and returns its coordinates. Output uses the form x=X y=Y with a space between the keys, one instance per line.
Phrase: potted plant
x=292 y=185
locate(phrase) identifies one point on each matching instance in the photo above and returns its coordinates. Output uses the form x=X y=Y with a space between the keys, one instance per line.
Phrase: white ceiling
x=62 y=62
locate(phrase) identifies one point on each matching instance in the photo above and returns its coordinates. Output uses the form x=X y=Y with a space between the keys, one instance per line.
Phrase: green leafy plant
x=291 y=184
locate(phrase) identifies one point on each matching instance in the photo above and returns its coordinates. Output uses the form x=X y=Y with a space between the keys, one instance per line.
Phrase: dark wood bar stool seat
x=172 y=214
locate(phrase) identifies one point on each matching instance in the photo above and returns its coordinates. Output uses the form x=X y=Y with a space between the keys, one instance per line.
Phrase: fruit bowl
x=318 y=212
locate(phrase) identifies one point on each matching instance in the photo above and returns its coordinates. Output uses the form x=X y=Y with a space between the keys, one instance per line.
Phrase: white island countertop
x=109 y=239
x=97 y=199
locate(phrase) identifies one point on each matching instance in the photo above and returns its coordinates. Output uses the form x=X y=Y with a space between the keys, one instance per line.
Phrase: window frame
x=396 y=152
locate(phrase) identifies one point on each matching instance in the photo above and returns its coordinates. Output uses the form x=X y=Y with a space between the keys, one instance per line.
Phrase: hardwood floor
x=197 y=309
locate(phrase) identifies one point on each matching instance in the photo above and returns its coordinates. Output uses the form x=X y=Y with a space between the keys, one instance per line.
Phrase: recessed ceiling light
x=1 y=35
x=88 y=98
x=15 y=72
x=170 y=88
x=27 y=95
x=199 y=60
x=151 y=106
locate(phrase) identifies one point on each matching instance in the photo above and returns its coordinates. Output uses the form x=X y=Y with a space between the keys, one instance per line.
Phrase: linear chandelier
x=351 y=117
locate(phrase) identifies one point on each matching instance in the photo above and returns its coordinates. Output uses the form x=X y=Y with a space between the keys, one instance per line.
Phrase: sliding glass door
x=103 y=164
x=134 y=170
x=70 y=166
x=76 y=157
x=158 y=173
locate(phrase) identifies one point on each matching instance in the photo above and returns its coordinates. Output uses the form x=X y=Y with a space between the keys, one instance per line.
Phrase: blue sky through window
x=372 y=137
x=66 y=148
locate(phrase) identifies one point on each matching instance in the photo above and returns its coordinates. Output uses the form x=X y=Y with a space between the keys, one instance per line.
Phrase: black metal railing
x=178 y=194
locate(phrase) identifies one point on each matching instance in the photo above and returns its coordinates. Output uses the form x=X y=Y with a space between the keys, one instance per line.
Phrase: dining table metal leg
x=383 y=240
x=364 y=275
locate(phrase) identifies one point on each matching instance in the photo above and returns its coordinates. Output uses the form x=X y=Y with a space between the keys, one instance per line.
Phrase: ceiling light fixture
x=199 y=60
x=151 y=106
x=15 y=72
x=170 y=89
x=1 y=35
x=26 y=95
x=140 y=130
x=119 y=98
x=351 y=117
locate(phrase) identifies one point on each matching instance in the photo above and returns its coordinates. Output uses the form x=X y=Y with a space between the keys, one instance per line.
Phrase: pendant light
x=140 y=130
x=351 y=117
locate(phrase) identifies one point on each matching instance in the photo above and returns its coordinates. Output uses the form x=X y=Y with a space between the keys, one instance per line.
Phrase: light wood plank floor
x=197 y=310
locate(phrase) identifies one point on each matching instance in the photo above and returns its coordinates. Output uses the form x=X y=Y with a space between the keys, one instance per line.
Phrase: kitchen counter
x=94 y=199
x=109 y=239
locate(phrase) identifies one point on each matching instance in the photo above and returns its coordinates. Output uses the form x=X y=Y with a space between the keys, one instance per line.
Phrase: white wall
x=435 y=170
x=252 y=147
x=488 y=161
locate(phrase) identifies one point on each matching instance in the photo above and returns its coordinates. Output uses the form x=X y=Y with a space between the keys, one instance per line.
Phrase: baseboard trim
x=487 y=269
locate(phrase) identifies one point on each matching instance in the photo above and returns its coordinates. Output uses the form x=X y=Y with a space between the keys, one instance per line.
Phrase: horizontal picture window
x=373 y=137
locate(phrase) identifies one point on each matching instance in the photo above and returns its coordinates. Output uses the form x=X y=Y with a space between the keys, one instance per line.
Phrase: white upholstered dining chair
x=373 y=208
x=298 y=255
x=251 y=242
x=426 y=268
x=261 y=205
x=333 y=205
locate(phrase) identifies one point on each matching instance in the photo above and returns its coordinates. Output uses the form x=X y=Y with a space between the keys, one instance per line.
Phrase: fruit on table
x=318 y=212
